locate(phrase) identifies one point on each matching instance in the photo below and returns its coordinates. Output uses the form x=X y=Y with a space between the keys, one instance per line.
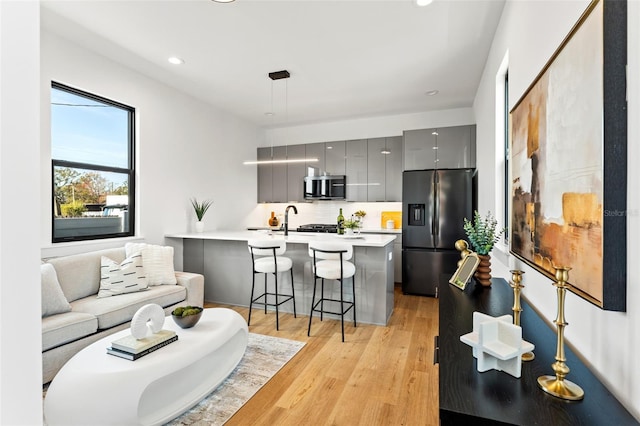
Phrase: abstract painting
x=568 y=202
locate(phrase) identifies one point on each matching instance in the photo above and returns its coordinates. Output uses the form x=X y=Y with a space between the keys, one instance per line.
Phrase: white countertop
x=368 y=240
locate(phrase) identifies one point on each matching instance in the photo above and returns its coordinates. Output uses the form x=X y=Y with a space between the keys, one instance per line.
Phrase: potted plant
x=483 y=234
x=350 y=226
x=200 y=209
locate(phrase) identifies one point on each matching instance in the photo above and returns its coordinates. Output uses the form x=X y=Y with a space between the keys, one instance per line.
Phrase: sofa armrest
x=194 y=283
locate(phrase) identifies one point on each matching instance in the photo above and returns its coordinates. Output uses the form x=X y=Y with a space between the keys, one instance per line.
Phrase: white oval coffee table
x=94 y=388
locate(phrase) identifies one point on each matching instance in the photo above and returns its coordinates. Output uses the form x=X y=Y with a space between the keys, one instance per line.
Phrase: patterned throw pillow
x=126 y=277
x=157 y=262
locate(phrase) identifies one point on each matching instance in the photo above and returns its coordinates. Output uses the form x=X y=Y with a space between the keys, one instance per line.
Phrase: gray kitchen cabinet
x=295 y=173
x=315 y=150
x=334 y=158
x=393 y=169
x=397 y=259
x=272 y=178
x=265 y=176
x=384 y=171
x=356 y=170
x=441 y=148
x=456 y=147
x=419 y=149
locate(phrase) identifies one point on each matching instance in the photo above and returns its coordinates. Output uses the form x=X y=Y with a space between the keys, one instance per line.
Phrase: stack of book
x=130 y=348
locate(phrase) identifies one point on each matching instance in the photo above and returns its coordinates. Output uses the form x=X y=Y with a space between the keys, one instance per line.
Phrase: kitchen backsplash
x=321 y=212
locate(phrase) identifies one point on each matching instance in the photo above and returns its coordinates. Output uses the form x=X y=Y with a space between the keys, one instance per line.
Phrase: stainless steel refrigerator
x=434 y=204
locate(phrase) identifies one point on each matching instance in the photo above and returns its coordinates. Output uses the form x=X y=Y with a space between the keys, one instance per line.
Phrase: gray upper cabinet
x=356 y=170
x=335 y=158
x=393 y=169
x=272 y=178
x=375 y=169
x=315 y=150
x=295 y=173
x=441 y=148
x=456 y=147
x=384 y=170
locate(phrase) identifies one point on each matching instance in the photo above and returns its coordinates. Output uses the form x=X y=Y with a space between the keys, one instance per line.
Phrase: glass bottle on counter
x=340 y=223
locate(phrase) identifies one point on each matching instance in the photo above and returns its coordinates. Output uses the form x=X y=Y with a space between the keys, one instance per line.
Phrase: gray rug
x=264 y=357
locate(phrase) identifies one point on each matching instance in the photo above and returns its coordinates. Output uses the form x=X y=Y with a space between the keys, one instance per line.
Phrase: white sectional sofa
x=74 y=316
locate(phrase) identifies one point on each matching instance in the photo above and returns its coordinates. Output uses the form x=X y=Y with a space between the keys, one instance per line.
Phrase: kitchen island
x=224 y=260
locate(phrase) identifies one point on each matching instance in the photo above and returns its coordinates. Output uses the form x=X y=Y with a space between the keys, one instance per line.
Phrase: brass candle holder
x=516 y=285
x=557 y=385
x=463 y=247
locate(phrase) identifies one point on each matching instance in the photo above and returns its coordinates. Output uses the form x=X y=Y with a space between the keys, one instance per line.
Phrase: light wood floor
x=379 y=376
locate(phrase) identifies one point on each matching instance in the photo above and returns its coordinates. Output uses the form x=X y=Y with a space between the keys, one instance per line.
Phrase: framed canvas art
x=569 y=160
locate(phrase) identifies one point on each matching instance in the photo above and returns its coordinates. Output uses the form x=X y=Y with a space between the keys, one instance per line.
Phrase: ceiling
x=347 y=58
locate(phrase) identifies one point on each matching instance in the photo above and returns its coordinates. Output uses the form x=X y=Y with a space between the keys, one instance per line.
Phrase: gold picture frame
x=465 y=271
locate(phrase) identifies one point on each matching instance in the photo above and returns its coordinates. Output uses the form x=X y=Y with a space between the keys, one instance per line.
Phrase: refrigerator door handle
x=436 y=209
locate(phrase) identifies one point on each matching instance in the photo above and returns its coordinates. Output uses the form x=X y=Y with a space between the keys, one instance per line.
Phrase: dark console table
x=495 y=397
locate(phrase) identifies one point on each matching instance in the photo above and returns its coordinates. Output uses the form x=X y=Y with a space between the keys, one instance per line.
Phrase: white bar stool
x=266 y=257
x=331 y=261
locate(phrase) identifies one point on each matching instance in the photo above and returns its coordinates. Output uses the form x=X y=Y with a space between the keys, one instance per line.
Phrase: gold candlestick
x=516 y=280
x=557 y=385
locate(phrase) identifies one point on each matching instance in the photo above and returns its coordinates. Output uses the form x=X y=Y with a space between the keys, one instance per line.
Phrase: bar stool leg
x=353 y=292
x=253 y=285
x=275 y=278
x=341 y=309
x=293 y=293
x=265 y=294
x=322 y=300
x=313 y=299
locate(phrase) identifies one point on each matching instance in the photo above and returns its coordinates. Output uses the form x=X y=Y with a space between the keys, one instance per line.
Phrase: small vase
x=273 y=220
x=483 y=272
x=348 y=231
x=199 y=226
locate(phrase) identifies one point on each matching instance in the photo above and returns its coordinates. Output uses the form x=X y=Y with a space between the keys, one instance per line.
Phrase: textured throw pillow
x=157 y=262
x=53 y=300
x=126 y=277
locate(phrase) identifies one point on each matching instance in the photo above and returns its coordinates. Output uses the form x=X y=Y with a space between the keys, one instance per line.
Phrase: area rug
x=264 y=357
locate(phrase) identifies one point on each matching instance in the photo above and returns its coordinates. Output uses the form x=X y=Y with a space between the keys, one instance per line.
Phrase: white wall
x=530 y=31
x=371 y=127
x=185 y=148
x=20 y=337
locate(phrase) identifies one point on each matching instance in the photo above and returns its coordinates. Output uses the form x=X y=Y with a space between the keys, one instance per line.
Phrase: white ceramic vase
x=199 y=226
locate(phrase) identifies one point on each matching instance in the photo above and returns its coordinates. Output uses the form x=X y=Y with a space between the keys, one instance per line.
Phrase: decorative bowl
x=187 y=321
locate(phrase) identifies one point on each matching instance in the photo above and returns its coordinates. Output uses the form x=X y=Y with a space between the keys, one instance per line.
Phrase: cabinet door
x=455 y=149
x=393 y=169
x=295 y=173
x=265 y=176
x=279 y=175
x=397 y=259
x=356 y=170
x=335 y=163
x=315 y=150
x=419 y=149
x=375 y=169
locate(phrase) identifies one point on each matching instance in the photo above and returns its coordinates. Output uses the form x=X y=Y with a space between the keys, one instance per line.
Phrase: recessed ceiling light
x=269 y=113
x=223 y=1
x=175 y=60
x=423 y=2
x=432 y=92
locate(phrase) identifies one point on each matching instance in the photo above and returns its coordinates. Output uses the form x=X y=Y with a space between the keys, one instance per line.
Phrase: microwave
x=325 y=187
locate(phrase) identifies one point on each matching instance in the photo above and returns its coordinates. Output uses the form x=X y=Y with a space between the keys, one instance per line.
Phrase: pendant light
x=280 y=75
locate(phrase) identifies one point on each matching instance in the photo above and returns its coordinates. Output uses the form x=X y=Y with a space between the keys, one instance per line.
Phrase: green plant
x=200 y=207
x=351 y=224
x=482 y=232
x=73 y=209
x=185 y=311
x=360 y=213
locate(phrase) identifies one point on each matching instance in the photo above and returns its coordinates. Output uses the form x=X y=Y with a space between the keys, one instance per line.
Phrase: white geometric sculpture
x=148 y=320
x=497 y=344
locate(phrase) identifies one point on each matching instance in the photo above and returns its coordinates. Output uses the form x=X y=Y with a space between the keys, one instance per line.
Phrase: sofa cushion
x=157 y=262
x=126 y=277
x=79 y=274
x=53 y=300
x=63 y=328
x=112 y=311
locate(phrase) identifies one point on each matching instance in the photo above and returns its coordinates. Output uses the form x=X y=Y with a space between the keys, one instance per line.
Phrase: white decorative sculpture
x=497 y=343
x=148 y=320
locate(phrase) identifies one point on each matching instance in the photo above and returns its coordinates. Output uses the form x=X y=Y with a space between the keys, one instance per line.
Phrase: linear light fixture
x=289 y=160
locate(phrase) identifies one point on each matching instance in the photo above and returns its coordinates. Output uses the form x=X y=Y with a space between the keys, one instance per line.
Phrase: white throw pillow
x=157 y=262
x=53 y=300
x=126 y=277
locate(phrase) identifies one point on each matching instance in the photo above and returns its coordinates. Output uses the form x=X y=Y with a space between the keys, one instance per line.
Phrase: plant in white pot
x=200 y=209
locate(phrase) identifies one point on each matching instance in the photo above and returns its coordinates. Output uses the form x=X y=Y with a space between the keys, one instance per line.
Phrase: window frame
x=129 y=171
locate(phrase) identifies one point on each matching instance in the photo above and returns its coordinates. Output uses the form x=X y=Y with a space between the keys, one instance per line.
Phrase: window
x=92 y=164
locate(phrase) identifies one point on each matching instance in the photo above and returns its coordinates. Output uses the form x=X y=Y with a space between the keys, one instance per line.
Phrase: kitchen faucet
x=286 y=218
